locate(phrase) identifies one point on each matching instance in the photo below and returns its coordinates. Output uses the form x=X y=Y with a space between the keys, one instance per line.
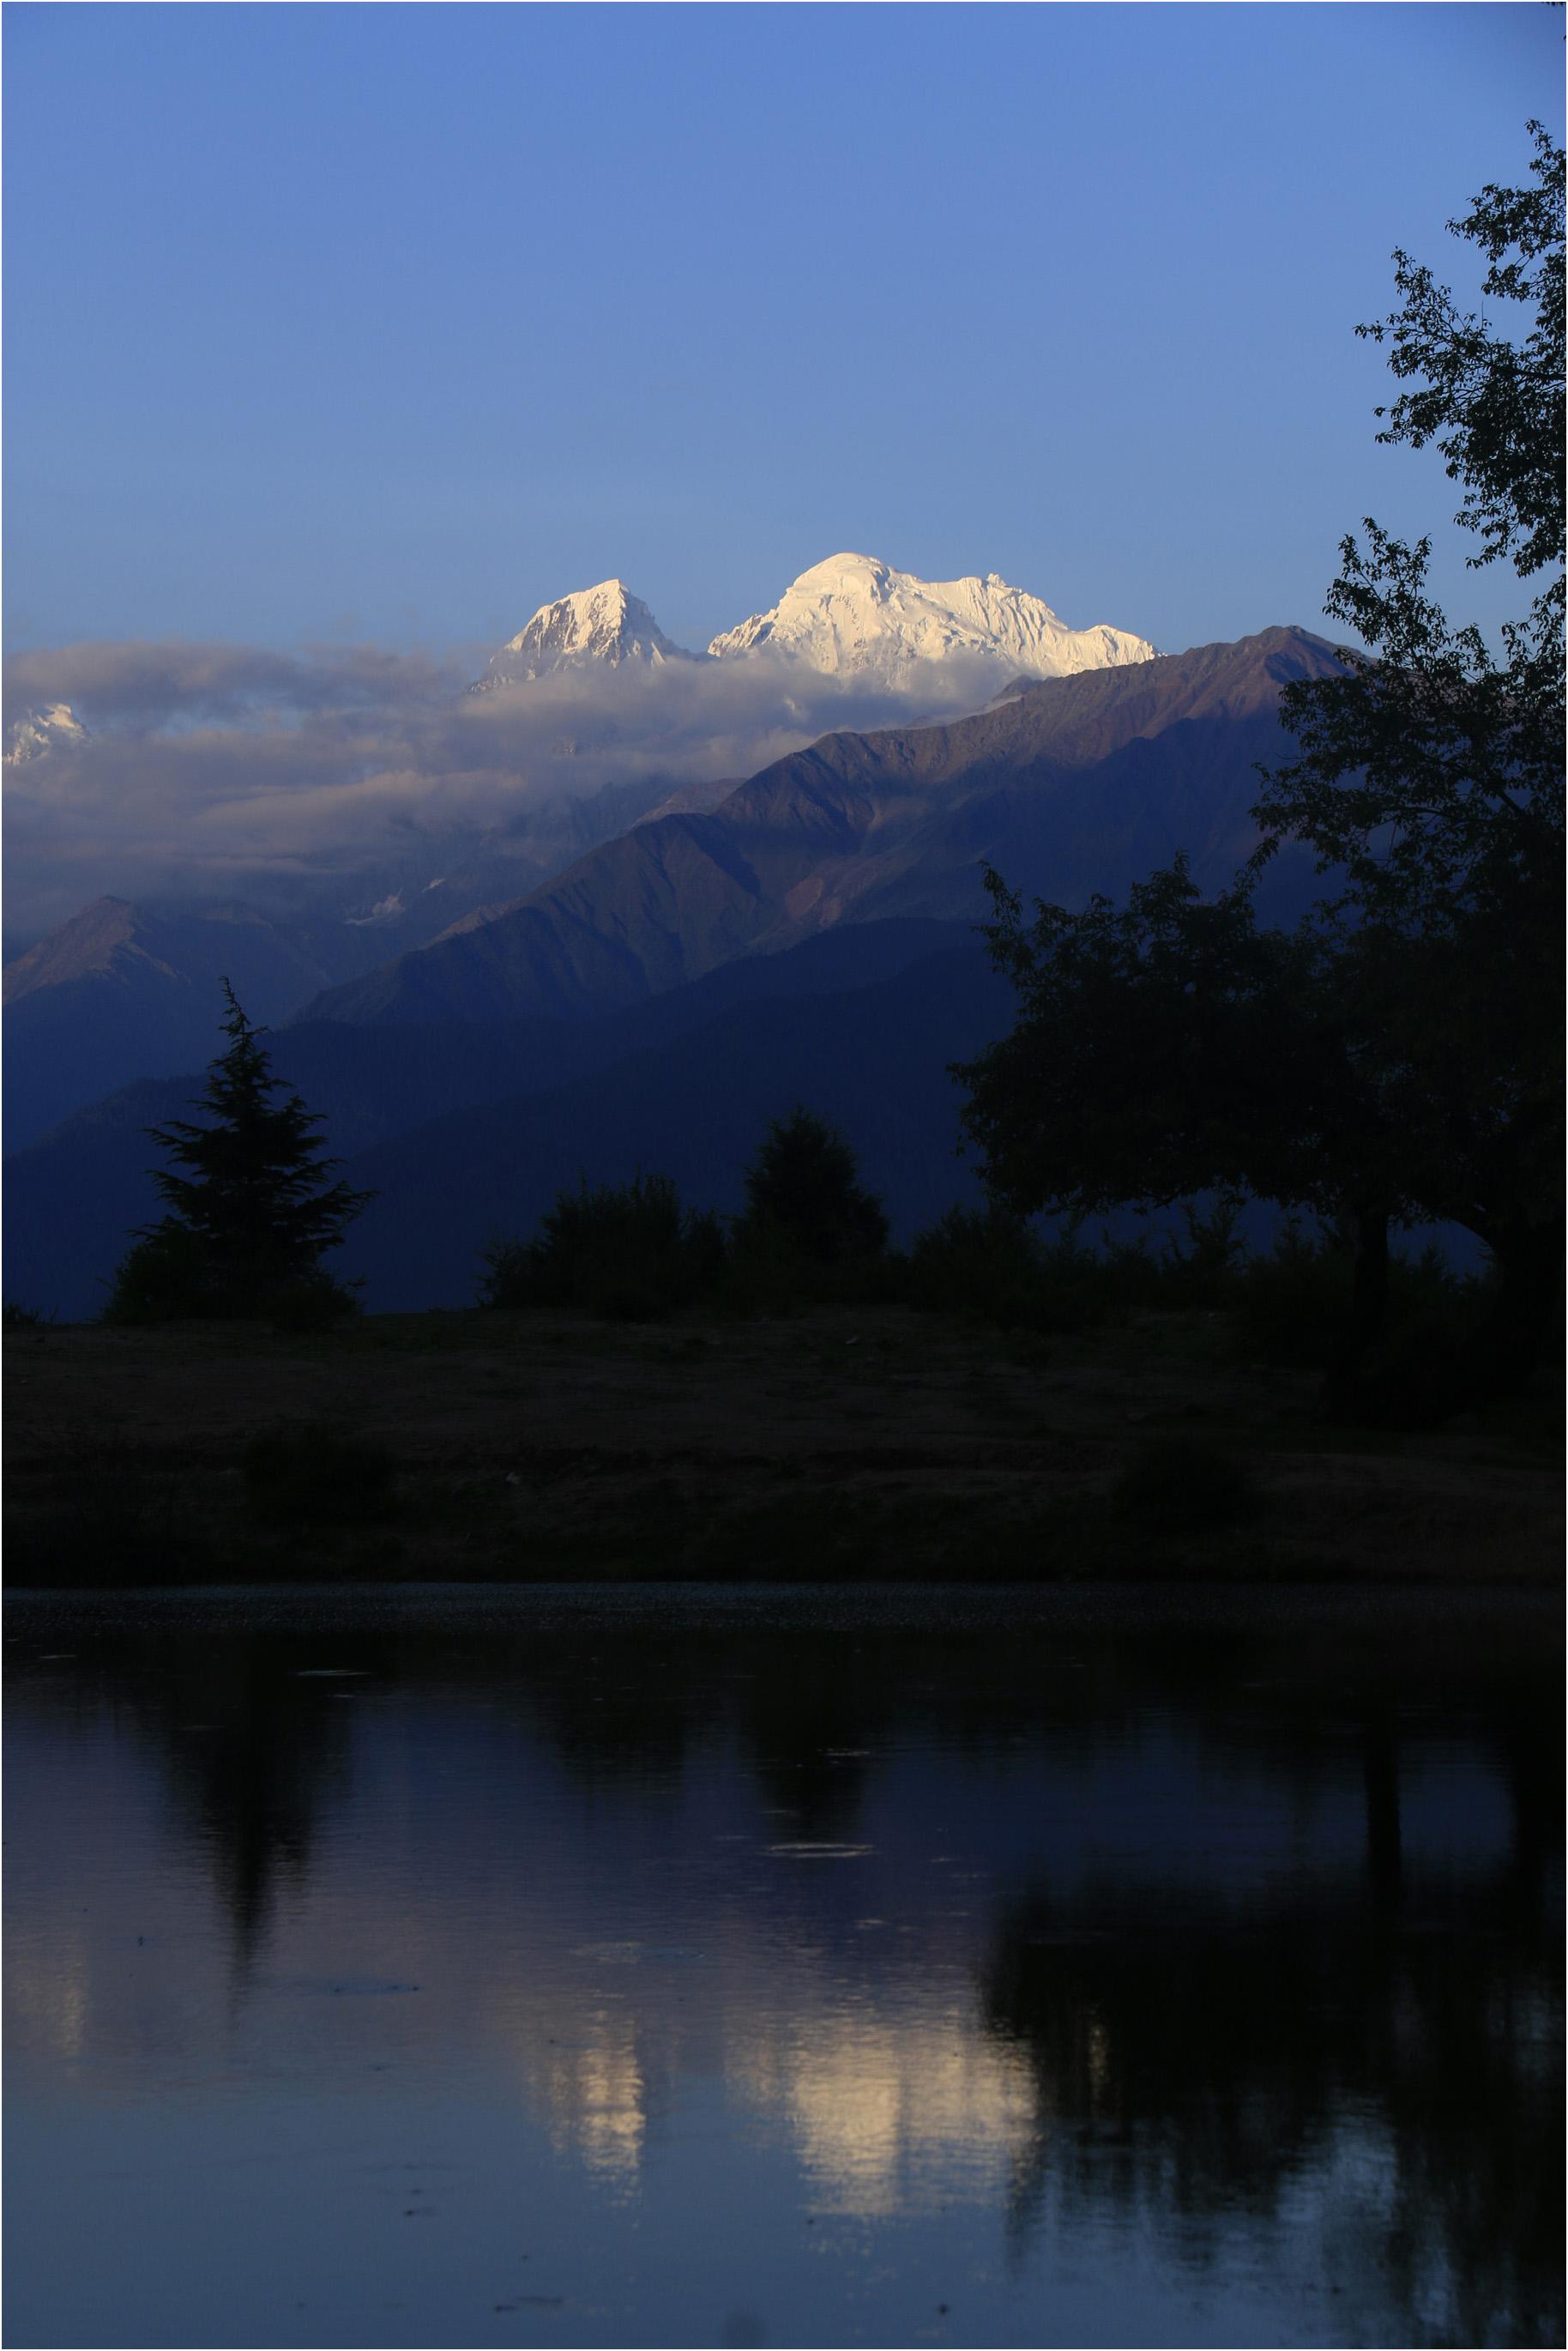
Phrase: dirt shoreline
x=845 y=1446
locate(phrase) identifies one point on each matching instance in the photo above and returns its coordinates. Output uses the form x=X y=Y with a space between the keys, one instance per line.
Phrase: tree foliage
x=251 y=1213
x=1163 y=1048
x=625 y=1252
x=1430 y=774
x=1399 y=1056
x=804 y=1190
x=1494 y=408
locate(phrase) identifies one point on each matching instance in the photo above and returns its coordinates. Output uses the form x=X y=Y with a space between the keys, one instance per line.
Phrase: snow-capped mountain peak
x=854 y=614
x=850 y=616
x=607 y=624
x=54 y=727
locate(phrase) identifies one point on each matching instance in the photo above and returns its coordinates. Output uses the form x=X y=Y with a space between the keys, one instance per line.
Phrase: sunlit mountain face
x=671 y=1966
x=848 y=616
x=856 y=614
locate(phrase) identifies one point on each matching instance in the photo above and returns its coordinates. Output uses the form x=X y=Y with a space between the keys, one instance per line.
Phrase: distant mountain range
x=72 y=1198
x=688 y=979
x=1072 y=785
x=124 y=990
x=852 y=616
x=119 y=990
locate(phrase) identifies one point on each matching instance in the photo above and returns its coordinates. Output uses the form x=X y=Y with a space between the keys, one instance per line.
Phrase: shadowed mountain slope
x=119 y=990
x=873 y=1060
x=122 y=991
x=1077 y=784
x=73 y=1199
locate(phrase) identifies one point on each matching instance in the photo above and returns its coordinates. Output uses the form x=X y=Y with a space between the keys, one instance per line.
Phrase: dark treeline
x=812 y=1235
x=253 y=1212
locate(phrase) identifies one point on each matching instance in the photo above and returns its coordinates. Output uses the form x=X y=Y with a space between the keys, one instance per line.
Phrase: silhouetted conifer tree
x=251 y=1213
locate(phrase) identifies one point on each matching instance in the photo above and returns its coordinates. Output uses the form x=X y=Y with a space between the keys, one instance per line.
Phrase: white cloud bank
x=236 y=771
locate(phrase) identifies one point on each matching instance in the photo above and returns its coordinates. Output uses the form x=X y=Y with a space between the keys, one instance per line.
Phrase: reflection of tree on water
x=1530 y=1755
x=810 y=1729
x=1192 y=2034
x=252 y=1746
x=1200 y=2061
x=616 y=1714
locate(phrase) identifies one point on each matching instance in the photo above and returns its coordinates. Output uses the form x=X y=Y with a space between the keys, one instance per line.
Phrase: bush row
x=629 y=1252
x=811 y=1234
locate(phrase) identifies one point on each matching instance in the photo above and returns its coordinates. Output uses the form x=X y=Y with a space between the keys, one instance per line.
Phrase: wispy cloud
x=226 y=768
x=129 y=686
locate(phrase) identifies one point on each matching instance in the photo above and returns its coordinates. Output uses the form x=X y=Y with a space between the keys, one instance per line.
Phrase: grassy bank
x=846 y=1444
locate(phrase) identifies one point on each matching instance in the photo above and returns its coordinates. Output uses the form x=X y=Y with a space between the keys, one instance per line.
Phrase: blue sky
x=391 y=322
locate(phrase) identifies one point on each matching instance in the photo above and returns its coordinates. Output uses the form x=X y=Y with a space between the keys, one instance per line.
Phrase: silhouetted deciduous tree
x=1400 y=1055
x=1171 y=1047
x=1430 y=774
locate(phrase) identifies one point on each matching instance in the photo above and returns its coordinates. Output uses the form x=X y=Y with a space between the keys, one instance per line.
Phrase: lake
x=689 y=1967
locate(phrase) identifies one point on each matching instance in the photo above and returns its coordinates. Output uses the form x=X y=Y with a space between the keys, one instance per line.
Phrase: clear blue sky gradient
x=392 y=322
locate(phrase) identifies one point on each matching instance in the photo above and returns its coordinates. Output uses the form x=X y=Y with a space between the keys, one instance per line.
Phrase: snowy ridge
x=607 y=624
x=854 y=615
x=850 y=617
x=54 y=727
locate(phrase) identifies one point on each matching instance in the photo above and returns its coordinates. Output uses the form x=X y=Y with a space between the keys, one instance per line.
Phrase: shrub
x=627 y=1252
x=308 y=1472
x=171 y=1275
x=17 y=1317
x=991 y=1265
x=1185 y=1486
x=1082 y=1286
x=168 y=1276
x=1204 y=1272
x=315 y=1301
x=1293 y=1305
x=765 y=1274
x=1415 y=1368
x=502 y=1273
x=982 y=1262
x=803 y=1191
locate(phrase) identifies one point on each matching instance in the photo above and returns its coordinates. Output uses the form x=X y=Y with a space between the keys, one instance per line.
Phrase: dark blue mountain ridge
x=124 y=990
x=72 y=1198
x=121 y=990
x=873 y=1060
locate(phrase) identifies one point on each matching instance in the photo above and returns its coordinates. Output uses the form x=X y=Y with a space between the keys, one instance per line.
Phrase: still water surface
x=666 y=1968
